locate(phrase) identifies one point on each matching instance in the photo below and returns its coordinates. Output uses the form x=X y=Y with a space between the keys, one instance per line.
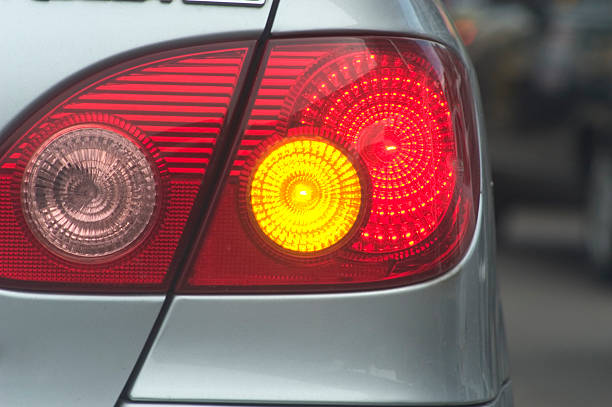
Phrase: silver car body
x=440 y=342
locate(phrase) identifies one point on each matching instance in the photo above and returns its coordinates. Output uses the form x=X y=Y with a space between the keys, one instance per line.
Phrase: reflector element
x=305 y=195
x=89 y=192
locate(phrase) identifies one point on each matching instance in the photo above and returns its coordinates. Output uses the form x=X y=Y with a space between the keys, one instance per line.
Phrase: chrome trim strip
x=228 y=2
x=503 y=399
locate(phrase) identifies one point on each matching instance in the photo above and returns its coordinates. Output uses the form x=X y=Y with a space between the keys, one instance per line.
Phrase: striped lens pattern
x=173 y=106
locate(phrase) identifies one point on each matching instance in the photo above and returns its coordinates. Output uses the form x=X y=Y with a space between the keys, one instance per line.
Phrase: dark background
x=545 y=71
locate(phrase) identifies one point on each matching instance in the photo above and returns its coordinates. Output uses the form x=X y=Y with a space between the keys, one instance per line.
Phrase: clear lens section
x=89 y=192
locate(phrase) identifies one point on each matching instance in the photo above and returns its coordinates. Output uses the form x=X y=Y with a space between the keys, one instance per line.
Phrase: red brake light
x=96 y=193
x=402 y=109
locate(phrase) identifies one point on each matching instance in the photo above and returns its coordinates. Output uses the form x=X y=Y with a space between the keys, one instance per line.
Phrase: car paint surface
x=68 y=350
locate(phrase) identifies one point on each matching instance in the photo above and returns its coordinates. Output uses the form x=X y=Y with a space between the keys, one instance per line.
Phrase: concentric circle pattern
x=89 y=192
x=305 y=195
x=396 y=115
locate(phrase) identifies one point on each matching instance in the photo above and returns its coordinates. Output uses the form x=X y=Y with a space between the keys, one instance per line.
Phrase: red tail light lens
x=95 y=194
x=401 y=111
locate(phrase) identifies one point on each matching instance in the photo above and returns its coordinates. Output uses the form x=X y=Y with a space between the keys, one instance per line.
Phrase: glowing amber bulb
x=305 y=195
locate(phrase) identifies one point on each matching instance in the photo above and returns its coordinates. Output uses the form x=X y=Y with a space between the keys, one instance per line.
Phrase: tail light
x=96 y=192
x=357 y=168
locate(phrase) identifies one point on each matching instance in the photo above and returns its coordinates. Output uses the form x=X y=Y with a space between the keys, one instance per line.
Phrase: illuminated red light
x=404 y=135
x=392 y=101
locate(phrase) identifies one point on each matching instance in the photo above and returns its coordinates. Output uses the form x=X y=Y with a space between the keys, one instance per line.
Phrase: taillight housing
x=357 y=168
x=96 y=188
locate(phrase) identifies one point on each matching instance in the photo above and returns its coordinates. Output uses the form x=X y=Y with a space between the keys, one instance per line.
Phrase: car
x=248 y=202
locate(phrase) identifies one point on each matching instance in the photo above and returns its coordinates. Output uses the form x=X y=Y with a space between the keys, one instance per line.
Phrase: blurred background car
x=545 y=70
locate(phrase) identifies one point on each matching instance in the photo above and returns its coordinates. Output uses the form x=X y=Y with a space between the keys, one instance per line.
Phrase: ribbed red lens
x=394 y=111
x=96 y=193
x=403 y=108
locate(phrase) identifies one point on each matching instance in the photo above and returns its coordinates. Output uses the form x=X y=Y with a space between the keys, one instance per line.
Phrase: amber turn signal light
x=304 y=194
